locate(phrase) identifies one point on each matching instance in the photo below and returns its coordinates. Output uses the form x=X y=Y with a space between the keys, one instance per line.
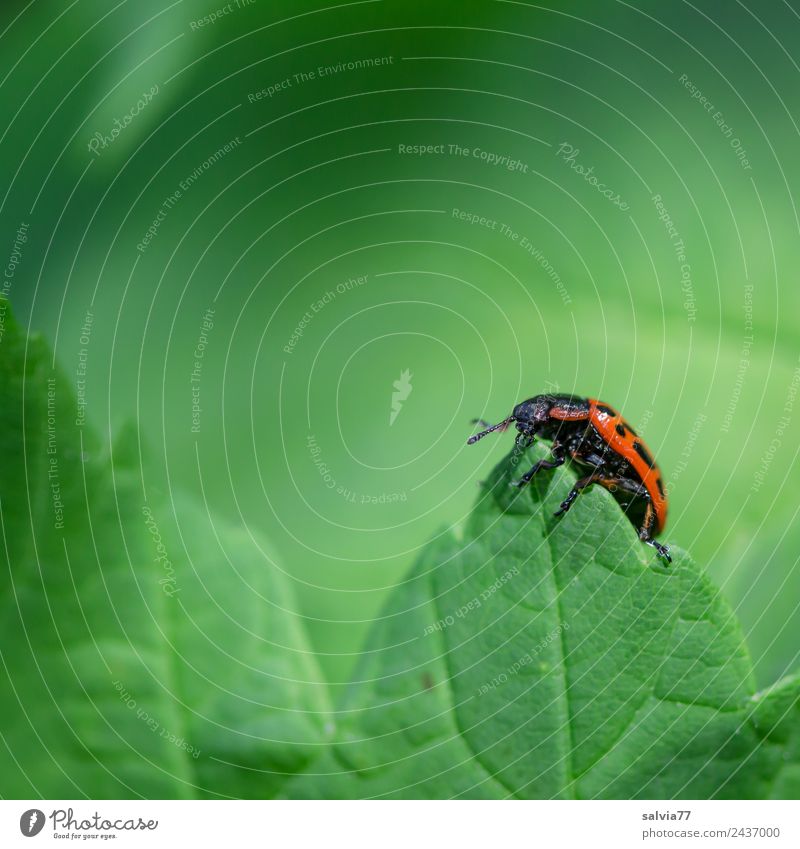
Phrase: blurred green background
x=491 y=267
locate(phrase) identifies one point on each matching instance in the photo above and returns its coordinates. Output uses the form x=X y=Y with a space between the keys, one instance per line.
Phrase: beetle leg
x=541 y=464
x=576 y=490
x=646 y=533
x=663 y=550
x=523 y=440
x=557 y=452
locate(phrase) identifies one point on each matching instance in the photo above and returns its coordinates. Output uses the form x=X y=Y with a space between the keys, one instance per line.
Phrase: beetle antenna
x=500 y=426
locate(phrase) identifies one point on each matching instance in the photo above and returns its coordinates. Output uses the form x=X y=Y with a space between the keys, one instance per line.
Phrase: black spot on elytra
x=660 y=486
x=643 y=453
x=620 y=429
x=607 y=410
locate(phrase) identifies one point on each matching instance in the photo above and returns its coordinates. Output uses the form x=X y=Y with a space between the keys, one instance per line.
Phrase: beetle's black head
x=532 y=414
x=531 y=417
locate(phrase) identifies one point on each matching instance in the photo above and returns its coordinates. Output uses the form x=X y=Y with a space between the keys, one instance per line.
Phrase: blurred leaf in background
x=148 y=649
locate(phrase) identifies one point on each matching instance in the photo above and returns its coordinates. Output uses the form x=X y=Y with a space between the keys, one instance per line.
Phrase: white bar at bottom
x=414 y=824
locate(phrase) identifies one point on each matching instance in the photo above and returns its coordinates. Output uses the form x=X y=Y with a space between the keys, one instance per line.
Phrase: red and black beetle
x=596 y=438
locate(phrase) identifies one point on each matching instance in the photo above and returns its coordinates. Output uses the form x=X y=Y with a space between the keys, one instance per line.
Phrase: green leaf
x=147 y=648
x=557 y=658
